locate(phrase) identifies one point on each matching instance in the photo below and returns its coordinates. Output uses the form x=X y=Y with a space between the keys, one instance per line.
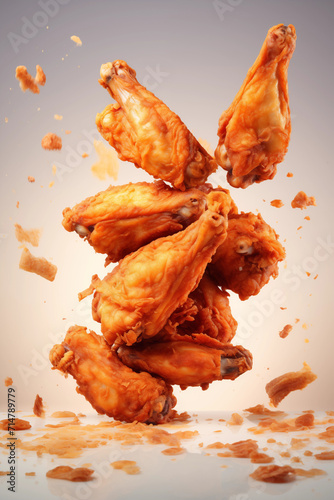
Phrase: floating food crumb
x=18 y=424
x=67 y=132
x=37 y=265
x=85 y=155
x=107 y=165
x=51 y=142
x=129 y=466
x=30 y=473
x=38 y=408
x=6 y=119
x=4 y=472
x=27 y=82
x=301 y=200
x=277 y=203
x=8 y=381
x=51 y=184
x=28 y=235
x=77 y=40
x=285 y=332
x=289 y=174
x=274 y=474
x=278 y=388
x=68 y=473
x=58 y=117
x=31 y=178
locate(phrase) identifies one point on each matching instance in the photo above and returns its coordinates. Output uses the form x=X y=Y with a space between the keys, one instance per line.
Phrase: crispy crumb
x=18 y=424
x=236 y=419
x=310 y=472
x=307 y=217
x=173 y=450
x=51 y=142
x=274 y=474
x=277 y=203
x=54 y=169
x=67 y=132
x=85 y=155
x=301 y=200
x=278 y=388
x=289 y=174
x=58 y=117
x=260 y=458
x=4 y=472
x=51 y=184
x=306 y=420
x=37 y=265
x=285 y=332
x=68 y=473
x=261 y=410
x=325 y=455
x=30 y=473
x=107 y=165
x=63 y=414
x=31 y=178
x=38 y=408
x=27 y=82
x=77 y=40
x=8 y=381
x=28 y=235
x=129 y=466
x=244 y=448
x=217 y=445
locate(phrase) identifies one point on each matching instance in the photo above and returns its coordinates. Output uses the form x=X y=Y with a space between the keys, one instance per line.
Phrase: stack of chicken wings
x=179 y=244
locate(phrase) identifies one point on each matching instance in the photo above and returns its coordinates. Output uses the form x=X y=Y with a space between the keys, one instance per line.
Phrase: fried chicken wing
x=111 y=387
x=121 y=219
x=144 y=131
x=254 y=131
x=248 y=257
x=186 y=363
x=135 y=300
x=206 y=311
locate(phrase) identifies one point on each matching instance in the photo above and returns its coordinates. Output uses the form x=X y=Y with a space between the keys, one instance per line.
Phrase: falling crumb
x=58 y=117
x=129 y=466
x=301 y=200
x=277 y=203
x=51 y=184
x=38 y=408
x=289 y=174
x=107 y=165
x=236 y=419
x=54 y=169
x=68 y=473
x=306 y=341
x=31 y=236
x=37 y=265
x=8 y=381
x=31 y=178
x=27 y=82
x=4 y=472
x=304 y=326
x=278 y=388
x=77 y=40
x=308 y=274
x=30 y=473
x=51 y=142
x=285 y=332
x=6 y=119
x=316 y=276
x=297 y=320
x=283 y=308
x=85 y=155
x=17 y=204
x=67 y=132
x=299 y=228
x=307 y=217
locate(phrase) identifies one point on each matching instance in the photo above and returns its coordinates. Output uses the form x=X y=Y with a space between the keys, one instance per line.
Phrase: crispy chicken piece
x=206 y=312
x=135 y=300
x=254 y=131
x=144 y=131
x=186 y=363
x=111 y=387
x=121 y=219
x=248 y=257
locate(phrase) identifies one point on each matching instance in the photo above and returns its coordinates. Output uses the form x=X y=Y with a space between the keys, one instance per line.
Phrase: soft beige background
x=194 y=55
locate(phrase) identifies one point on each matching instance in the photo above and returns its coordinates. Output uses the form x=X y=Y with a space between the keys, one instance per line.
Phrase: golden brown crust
x=76 y=474
x=37 y=265
x=51 y=142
